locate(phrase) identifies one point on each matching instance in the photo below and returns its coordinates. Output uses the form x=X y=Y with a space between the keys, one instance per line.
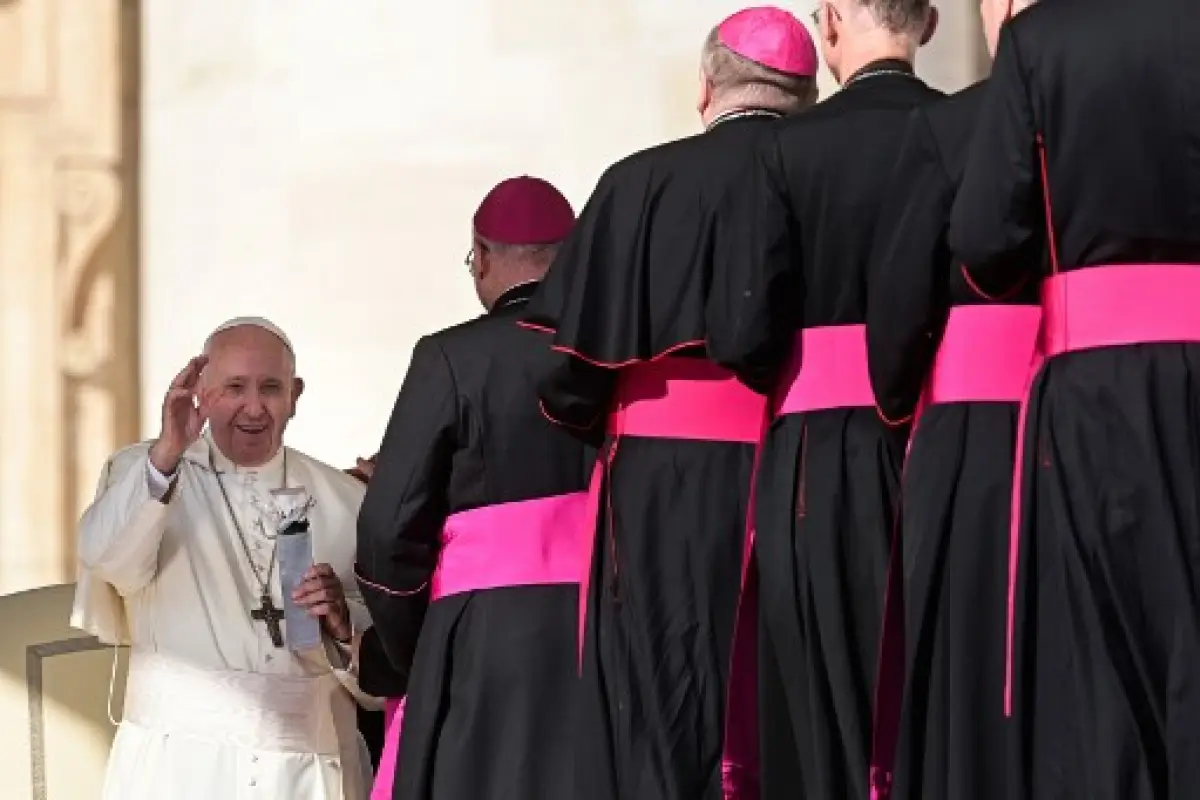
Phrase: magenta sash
x=1102 y=306
x=534 y=542
x=986 y=355
x=691 y=398
x=685 y=398
x=828 y=369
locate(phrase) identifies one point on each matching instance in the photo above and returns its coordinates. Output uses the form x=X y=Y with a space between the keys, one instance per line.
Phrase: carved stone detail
x=68 y=270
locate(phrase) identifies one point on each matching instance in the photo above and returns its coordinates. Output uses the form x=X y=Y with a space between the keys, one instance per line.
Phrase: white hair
x=254 y=322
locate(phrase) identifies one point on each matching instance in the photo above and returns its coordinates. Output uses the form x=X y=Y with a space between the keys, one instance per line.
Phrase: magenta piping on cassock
x=1100 y=306
x=537 y=542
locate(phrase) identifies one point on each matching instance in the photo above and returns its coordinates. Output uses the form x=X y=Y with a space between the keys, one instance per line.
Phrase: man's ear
x=829 y=31
x=297 y=390
x=704 y=92
x=931 y=25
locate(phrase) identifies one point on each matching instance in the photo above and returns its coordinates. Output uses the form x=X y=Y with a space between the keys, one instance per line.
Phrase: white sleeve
x=158 y=483
x=120 y=532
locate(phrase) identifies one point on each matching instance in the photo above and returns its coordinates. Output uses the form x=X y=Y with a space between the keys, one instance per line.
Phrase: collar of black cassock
x=883 y=65
x=514 y=295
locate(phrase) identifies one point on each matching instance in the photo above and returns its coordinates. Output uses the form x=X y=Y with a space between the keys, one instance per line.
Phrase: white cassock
x=213 y=709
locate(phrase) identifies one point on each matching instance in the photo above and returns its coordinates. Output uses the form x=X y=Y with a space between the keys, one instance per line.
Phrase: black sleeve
x=577 y=396
x=755 y=301
x=376 y=675
x=400 y=522
x=908 y=287
x=996 y=225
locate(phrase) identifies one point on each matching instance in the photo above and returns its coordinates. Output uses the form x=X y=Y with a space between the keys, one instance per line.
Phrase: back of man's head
x=517 y=230
x=758 y=58
x=738 y=81
x=899 y=17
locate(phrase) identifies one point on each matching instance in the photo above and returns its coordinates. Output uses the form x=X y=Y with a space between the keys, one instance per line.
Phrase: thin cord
x=112 y=684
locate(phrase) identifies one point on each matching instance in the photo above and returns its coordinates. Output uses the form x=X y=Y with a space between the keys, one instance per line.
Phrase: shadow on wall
x=55 y=732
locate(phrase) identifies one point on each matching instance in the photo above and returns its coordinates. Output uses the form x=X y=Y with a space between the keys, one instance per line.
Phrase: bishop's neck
x=887 y=51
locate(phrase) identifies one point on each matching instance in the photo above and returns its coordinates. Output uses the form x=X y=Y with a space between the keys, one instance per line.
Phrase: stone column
x=68 y=270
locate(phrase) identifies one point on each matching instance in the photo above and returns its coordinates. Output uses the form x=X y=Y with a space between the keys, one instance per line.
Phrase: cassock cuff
x=158 y=483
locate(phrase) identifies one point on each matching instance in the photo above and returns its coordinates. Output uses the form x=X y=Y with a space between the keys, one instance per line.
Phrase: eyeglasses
x=469 y=261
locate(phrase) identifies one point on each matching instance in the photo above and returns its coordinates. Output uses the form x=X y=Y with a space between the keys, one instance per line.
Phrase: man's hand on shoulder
x=364 y=469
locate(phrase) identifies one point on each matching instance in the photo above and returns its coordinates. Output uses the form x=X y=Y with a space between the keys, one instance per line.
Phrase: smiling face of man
x=249 y=392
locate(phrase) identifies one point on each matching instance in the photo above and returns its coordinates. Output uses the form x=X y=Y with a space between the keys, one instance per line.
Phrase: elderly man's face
x=250 y=392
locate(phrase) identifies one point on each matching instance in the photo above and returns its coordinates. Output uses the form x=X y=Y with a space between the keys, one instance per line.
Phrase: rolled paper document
x=301 y=631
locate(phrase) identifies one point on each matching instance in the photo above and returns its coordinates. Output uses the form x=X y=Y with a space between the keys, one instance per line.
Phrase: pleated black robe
x=954 y=739
x=630 y=286
x=490 y=675
x=795 y=246
x=1110 y=535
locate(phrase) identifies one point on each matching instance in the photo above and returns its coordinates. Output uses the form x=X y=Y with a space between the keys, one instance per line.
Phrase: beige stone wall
x=68 y=310
x=317 y=161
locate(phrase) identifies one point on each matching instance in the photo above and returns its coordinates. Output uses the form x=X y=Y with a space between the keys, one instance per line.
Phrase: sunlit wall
x=317 y=162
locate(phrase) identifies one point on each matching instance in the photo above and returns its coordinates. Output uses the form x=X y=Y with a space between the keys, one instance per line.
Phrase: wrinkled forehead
x=250 y=352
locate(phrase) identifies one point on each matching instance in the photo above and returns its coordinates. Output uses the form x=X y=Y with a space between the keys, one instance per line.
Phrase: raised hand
x=183 y=417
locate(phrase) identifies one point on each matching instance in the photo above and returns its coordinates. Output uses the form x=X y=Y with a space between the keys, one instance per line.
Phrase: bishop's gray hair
x=534 y=256
x=901 y=17
x=752 y=84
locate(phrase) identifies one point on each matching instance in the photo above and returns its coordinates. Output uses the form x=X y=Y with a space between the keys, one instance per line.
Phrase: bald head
x=249 y=388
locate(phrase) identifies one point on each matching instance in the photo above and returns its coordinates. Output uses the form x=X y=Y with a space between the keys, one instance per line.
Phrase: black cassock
x=954 y=740
x=490 y=675
x=795 y=245
x=629 y=288
x=1110 y=533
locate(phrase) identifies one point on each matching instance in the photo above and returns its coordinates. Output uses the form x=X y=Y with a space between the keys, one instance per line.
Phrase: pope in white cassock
x=179 y=559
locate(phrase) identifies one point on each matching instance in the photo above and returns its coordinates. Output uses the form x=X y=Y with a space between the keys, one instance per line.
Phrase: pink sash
x=986 y=355
x=828 y=369
x=524 y=543
x=691 y=398
x=1088 y=308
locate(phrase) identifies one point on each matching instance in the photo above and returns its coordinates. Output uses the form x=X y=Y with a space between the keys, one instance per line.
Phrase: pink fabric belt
x=828 y=369
x=1103 y=306
x=524 y=543
x=986 y=355
x=686 y=398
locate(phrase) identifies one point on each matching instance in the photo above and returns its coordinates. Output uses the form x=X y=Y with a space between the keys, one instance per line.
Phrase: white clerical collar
x=206 y=448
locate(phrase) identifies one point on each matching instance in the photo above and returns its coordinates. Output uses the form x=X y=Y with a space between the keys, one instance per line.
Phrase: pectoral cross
x=269 y=615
